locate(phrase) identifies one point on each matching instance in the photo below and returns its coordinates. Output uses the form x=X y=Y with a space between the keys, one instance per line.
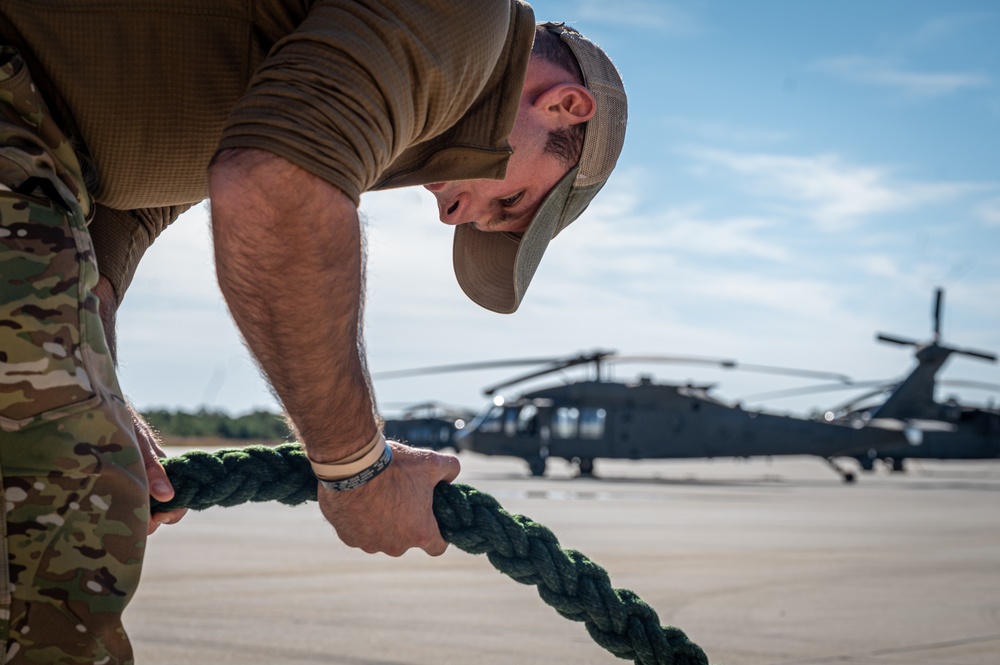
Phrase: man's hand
x=159 y=485
x=393 y=512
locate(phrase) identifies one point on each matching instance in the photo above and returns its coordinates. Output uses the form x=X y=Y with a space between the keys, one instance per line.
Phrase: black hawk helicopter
x=582 y=421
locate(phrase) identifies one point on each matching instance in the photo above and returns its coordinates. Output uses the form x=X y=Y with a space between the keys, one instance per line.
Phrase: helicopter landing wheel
x=847 y=476
x=585 y=465
x=536 y=465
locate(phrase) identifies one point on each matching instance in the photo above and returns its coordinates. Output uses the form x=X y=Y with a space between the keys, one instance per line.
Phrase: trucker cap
x=494 y=269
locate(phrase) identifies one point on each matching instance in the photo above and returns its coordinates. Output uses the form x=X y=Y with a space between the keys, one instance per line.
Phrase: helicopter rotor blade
x=938 y=296
x=460 y=367
x=725 y=363
x=964 y=383
x=882 y=337
x=682 y=360
x=791 y=371
x=850 y=404
x=408 y=406
x=557 y=363
x=564 y=364
x=936 y=339
x=882 y=385
x=984 y=355
x=807 y=390
x=429 y=405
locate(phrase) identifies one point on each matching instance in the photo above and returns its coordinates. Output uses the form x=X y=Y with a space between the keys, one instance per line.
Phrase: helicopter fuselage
x=589 y=420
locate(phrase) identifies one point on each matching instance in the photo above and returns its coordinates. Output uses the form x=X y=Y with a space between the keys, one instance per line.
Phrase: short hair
x=566 y=144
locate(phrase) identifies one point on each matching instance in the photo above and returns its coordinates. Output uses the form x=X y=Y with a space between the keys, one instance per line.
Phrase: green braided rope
x=473 y=521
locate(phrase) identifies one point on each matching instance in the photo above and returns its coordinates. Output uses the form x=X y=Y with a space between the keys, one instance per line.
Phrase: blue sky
x=796 y=177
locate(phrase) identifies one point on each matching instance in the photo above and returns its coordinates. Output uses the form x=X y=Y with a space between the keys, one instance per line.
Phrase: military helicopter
x=934 y=430
x=581 y=421
x=428 y=425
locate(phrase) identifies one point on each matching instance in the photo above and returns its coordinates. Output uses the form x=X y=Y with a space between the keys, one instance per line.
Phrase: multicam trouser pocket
x=43 y=320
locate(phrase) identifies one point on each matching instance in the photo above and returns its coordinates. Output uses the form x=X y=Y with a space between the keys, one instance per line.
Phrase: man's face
x=508 y=204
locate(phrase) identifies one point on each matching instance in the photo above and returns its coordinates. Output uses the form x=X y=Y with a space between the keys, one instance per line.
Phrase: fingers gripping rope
x=473 y=521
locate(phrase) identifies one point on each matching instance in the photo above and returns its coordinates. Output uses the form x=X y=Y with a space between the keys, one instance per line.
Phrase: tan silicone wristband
x=340 y=470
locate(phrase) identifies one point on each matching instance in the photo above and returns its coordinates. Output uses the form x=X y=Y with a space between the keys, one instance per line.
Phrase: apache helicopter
x=582 y=421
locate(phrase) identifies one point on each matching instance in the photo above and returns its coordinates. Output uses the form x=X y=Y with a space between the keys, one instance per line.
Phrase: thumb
x=451 y=468
x=159 y=485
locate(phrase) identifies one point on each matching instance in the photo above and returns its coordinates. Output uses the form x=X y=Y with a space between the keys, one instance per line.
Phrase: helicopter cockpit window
x=592 y=423
x=491 y=422
x=527 y=420
x=510 y=421
x=565 y=422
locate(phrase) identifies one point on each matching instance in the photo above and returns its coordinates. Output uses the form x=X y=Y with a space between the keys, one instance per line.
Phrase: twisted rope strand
x=473 y=521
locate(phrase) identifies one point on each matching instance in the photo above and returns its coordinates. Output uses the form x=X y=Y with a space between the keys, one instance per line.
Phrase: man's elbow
x=237 y=207
x=266 y=209
x=250 y=186
x=232 y=192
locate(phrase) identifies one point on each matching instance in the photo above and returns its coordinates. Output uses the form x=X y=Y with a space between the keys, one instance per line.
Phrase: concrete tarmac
x=759 y=562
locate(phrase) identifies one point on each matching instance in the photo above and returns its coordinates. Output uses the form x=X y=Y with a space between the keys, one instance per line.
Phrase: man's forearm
x=289 y=261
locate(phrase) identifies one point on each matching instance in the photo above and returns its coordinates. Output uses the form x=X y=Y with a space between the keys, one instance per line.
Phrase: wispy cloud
x=888 y=73
x=989 y=212
x=881 y=266
x=837 y=195
x=689 y=232
x=944 y=28
x=619 y=223
x=716 y=131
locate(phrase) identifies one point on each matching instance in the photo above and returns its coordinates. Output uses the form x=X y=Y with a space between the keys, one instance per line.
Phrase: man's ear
x=565 y=104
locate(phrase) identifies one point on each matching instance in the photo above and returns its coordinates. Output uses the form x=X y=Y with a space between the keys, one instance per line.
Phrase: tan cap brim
x=494 y=269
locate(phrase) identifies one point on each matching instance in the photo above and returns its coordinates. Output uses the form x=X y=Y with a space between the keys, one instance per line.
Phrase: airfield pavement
x=760 y=562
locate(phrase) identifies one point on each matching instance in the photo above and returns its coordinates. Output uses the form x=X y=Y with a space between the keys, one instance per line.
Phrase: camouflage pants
x=76 y=502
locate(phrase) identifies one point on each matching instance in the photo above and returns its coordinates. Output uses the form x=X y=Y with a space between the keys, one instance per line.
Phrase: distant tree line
x=262 y=425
